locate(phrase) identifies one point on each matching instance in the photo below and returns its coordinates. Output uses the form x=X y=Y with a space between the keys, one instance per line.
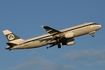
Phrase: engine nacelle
x=69 y=34
x=70 y=43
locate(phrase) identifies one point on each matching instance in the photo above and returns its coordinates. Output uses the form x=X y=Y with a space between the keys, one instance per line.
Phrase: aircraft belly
x=34 y=44
x=37 y=44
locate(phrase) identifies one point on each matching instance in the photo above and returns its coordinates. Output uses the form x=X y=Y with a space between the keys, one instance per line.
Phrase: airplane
x=52 y=38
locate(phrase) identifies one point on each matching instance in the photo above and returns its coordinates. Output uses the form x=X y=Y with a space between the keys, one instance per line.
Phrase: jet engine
x=70 y=43
x=69 y=34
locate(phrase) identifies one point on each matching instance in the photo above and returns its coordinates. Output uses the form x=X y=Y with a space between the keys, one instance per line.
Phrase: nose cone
x=99 y=26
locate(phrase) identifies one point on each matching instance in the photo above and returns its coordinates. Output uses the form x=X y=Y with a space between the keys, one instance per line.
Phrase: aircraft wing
x=56 y=35
x=50 y=30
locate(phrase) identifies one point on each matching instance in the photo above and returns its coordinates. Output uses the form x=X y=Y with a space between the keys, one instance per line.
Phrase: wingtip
x=42 y=26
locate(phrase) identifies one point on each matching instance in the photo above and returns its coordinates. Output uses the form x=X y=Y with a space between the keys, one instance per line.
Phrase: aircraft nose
x=99 y=26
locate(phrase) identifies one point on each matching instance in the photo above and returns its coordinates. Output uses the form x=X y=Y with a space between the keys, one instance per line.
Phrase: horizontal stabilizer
x=11 y=44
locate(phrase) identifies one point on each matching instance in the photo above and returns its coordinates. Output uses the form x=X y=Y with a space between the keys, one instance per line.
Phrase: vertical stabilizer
x=11 y=37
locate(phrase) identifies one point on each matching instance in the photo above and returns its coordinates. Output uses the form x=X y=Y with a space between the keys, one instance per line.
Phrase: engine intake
x=70 y=43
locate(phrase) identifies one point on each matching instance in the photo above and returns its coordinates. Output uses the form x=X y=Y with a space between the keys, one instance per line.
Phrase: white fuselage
x=46 y=39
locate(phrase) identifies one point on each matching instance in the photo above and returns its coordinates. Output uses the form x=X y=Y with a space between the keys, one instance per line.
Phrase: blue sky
x=25 y=18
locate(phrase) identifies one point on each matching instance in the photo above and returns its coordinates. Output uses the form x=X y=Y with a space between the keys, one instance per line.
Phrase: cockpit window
x=96 y=23
x=93 y=23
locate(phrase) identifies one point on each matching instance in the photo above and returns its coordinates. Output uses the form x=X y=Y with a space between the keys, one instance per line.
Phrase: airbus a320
x=52 y=38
